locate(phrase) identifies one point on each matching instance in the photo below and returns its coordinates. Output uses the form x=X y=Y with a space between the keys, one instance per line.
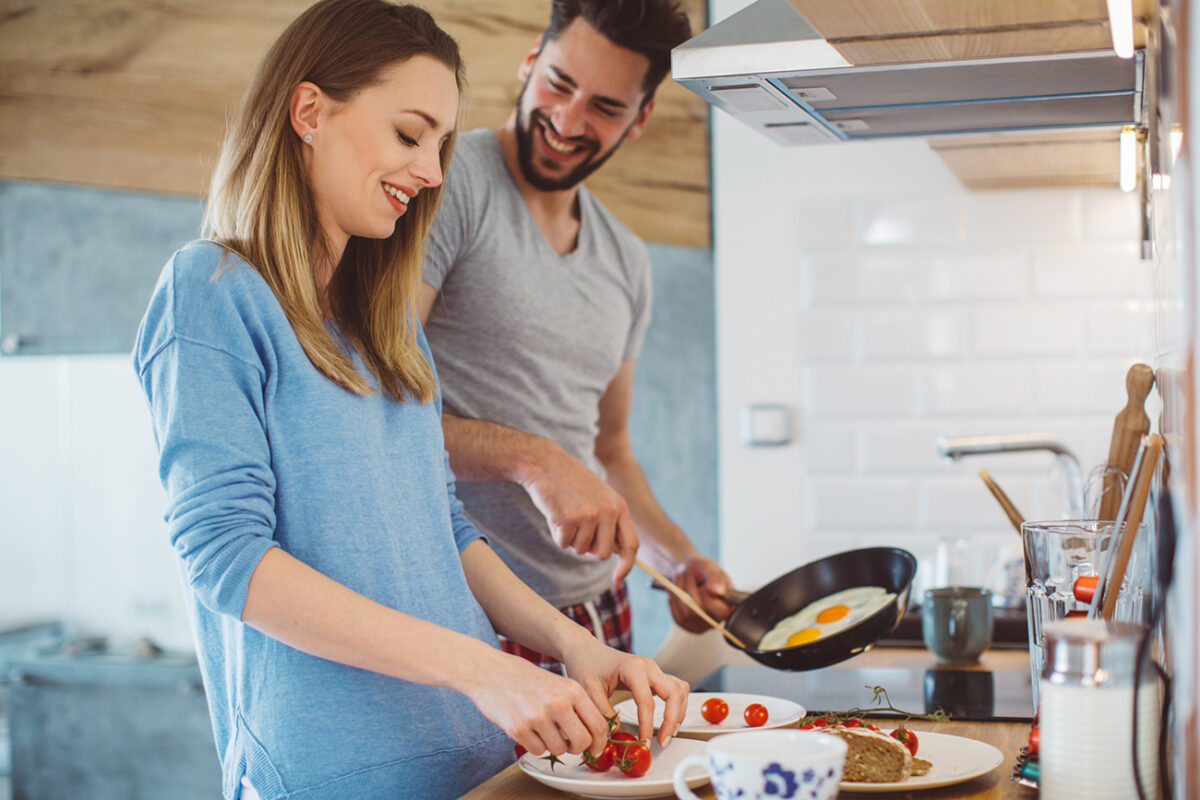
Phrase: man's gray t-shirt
x=530 y=340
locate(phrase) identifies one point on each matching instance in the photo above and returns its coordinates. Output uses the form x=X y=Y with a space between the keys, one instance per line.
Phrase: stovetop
x=967 y=695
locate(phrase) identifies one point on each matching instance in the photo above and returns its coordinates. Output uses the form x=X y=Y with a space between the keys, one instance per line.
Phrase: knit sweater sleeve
x=206 y=400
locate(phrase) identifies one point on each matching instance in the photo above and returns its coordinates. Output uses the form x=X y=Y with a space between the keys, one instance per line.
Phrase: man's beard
x=525 y=157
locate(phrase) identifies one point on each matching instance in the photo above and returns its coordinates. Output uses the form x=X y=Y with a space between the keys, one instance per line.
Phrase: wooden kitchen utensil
x=1129 y=520
x=1129 y=427
x=688 y=601
x=1010 y=510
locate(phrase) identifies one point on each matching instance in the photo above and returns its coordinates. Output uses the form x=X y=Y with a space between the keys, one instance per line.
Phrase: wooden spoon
x=1010 y=510
x=1129 y=427
x=690 y=602
x=1135 y=500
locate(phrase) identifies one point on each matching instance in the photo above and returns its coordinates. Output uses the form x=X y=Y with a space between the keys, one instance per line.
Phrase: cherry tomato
x=853 y=722
x=906 y=738
x=636 y=760
x=1035 y=739
x=755 y=715
x=808 y=726
x=518 y=751
x=874 y=728
x=602 y=762
x=714 y=710
x=620 y=741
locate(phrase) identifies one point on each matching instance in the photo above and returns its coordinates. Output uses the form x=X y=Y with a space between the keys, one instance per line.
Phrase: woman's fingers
x=674 y=693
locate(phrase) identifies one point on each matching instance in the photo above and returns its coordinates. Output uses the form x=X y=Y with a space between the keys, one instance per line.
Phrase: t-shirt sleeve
x=465 y=531
x=207 y=409
x=448 y=237
x=642 y=297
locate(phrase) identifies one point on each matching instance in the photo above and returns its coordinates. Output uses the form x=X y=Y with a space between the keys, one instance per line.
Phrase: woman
x=343 y=604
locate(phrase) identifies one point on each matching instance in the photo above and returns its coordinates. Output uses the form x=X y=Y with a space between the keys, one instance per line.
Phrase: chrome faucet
x=956 y=447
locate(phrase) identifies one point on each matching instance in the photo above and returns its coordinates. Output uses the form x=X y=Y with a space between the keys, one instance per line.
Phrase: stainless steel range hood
x=767 y=66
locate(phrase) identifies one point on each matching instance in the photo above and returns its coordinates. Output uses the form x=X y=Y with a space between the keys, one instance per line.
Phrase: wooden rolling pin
x=1129 y=427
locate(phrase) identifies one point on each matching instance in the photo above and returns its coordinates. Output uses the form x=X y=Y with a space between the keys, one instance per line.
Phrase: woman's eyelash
x=406 y=138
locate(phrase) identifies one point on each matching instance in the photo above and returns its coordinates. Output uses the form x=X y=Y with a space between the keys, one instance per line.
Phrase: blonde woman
x=345 y=609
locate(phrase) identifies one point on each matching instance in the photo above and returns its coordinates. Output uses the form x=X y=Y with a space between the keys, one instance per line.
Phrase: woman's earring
x=308 y=138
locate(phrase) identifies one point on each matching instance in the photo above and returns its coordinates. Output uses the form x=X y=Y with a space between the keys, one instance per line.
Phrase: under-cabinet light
x=1129 y=140
x=1120 y=24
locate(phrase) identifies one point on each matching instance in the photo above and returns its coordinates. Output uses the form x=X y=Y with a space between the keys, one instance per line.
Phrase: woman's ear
x=304 y=110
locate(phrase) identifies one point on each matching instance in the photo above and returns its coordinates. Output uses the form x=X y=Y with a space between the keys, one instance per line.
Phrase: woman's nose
x=428 y=167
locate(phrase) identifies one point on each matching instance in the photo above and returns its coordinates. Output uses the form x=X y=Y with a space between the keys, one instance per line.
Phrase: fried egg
x=826 y=616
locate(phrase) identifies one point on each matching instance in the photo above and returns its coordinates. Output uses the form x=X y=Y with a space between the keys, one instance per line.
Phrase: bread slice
x=872 y=757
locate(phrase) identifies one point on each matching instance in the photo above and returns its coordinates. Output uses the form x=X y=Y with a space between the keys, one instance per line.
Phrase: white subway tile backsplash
x=827 y=335
x=1047 y=215
x=901 y=447
x=1121 y=328
x=960 y=503
x=887 y=278
x=1069 y=387
x=1009 y=331
x=1092 y=271
x=854 y=391
x=830 y=446
x=857 y=503
x=970 y=275
x=907 y=220
x=1112 y=215
x=906 y=335
x=975 y=389
x=850 y=280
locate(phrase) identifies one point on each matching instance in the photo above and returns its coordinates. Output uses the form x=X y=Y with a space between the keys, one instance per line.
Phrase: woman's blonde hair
x=261 y=206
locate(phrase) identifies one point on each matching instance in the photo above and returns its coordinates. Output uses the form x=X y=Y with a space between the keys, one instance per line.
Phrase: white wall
x=863 y=287
x=82 y=537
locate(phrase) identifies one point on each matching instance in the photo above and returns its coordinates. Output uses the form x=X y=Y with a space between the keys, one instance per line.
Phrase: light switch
x=766 y=424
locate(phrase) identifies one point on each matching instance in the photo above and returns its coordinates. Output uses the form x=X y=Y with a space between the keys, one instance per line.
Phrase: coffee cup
x=956 y=622
x=766 y=765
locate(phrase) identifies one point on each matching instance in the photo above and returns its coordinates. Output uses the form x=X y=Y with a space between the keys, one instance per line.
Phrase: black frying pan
x=889 y=567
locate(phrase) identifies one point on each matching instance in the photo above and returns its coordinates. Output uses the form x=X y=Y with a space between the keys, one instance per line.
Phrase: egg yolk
x=832 y=614
x=802 y=637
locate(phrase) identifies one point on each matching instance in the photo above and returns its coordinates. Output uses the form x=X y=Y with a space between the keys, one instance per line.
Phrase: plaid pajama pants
x=607 y=617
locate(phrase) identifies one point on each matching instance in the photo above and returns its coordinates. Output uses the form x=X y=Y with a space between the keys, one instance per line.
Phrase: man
x=535 y=303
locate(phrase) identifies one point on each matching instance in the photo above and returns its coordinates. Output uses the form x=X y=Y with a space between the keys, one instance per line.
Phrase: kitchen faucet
x=954 y=448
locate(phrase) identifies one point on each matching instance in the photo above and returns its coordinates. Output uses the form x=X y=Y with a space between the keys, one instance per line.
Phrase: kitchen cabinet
x=133 y=94
x=897 y=31
x=78 y=265
x=1057 y=158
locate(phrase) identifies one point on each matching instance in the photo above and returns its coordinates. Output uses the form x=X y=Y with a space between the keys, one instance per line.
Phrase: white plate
x=955 y=759
x=573 y=776
x=780 y=714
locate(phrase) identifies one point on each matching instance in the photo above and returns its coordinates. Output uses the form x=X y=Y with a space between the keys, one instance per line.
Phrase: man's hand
x=583 y=511
x=704 y=580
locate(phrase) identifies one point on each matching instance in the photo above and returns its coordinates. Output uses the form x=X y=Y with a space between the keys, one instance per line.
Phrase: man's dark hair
x=649 y=27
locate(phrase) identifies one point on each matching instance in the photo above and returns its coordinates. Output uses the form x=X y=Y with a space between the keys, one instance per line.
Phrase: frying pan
x=889 y=567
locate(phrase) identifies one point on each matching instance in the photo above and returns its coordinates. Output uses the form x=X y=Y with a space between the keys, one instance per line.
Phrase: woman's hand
x=539 y=710
x=601 y=670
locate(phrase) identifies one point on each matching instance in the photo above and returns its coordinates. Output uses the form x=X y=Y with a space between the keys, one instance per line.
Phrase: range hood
x=767 y=66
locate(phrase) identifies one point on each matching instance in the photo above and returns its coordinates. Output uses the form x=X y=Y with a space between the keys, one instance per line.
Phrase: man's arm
x=666 y=546
x=584 y=513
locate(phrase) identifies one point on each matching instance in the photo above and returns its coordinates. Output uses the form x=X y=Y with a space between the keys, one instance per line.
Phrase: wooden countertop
x=1008 y=737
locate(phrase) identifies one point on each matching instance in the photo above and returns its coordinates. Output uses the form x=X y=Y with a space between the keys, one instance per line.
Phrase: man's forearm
x=486 y=451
